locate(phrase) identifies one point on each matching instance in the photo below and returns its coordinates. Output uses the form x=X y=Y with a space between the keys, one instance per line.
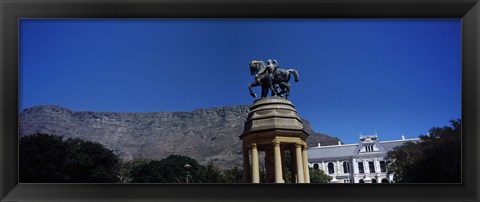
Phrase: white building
x=355 y=163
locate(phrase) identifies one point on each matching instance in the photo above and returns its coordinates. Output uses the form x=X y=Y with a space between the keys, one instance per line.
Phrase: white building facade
x=355 y=163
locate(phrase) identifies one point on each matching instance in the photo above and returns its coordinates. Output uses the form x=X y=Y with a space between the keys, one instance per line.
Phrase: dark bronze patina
x=270 y=77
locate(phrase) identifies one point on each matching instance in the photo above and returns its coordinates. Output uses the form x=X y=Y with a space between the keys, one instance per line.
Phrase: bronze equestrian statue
x=270 y=77
x=262 y=77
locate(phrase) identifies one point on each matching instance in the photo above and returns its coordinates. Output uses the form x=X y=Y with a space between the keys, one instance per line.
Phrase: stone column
x=246 y=165
x=255 y=167
x=298 y=151
x=339 y=168
x=355 y=166
x=366 y=169
x=377 y=165
x=306 y=171
x=278 y=163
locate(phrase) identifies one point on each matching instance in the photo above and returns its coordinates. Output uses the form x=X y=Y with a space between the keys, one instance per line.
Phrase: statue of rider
x=271 y=77
x=267 y=74
x=272 y=66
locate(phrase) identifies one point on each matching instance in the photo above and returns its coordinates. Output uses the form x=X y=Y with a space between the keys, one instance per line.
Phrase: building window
x=360 y=167
x=315 y=166
x=374 y=181
x=371 y=167
x=346 y=167
x=346 y=181
x=383 y=168
x=385 y=181
x=330 y=168
x=361 y=181
x=369 y=148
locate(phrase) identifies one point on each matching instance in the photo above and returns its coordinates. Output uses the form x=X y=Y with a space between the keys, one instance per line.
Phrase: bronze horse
x=271 y=78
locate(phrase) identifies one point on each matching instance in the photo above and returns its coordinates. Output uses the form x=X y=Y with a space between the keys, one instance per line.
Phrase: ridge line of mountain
x=207 y=135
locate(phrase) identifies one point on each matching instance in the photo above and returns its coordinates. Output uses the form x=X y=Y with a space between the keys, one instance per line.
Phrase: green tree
x=318 y=176
x=435 y=159
x=48 y=158
x=262 y=174
x=127 y=167
x=41 y=158
x=169 y=170
x=211 y=174
x=233 y=175
x=88 y=161
x=148 y=172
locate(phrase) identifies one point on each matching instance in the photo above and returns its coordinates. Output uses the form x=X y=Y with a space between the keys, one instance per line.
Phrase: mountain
x=207 y=135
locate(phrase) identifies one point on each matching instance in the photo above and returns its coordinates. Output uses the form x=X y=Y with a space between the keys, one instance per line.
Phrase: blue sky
x=356 y=76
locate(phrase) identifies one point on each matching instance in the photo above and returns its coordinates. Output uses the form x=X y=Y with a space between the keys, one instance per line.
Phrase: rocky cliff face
x=204 y=134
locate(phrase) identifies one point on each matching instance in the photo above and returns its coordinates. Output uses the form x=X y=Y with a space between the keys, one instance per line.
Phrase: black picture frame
x=11 y=11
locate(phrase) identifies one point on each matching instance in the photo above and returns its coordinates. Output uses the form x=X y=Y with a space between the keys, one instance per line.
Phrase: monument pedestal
x=273 y=126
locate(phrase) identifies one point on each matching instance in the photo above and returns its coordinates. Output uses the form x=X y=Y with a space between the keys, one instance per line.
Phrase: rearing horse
x=271 y=78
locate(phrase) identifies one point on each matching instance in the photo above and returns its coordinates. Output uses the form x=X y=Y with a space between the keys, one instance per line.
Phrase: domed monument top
x=273 y=114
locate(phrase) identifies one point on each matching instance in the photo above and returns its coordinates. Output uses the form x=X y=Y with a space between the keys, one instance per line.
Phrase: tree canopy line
x=436 y=158
x=45 y=158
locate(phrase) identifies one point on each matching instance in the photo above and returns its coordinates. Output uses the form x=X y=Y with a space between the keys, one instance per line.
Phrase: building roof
x=348 y=150
x=390 y=145
x=331 y=151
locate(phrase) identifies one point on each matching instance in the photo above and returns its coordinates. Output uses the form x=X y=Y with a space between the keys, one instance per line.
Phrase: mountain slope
x=204 y=134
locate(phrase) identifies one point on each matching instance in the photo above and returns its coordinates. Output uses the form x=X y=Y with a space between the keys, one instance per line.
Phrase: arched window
x=385 y=180
x=361 y=181
x=330 y=168
x=346 y=167
x=315 y=166
x=374 y=181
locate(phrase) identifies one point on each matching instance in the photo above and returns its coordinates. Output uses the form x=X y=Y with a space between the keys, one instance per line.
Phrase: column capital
x=298 y=145
x=254 y=146
x=276 y=143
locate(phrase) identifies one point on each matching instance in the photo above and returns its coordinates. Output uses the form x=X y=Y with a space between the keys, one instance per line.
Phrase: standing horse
x=271 y=78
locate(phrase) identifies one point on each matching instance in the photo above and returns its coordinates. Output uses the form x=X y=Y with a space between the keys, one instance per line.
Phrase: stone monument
x=274 y=127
